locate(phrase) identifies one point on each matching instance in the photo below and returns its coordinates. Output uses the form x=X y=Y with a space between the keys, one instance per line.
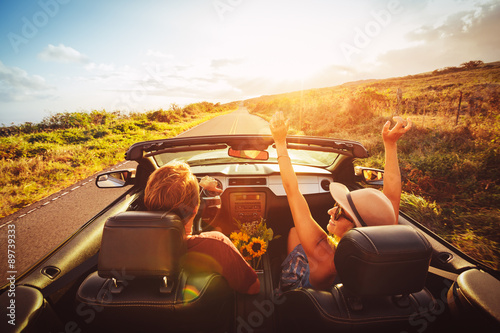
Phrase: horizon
x=70 y=56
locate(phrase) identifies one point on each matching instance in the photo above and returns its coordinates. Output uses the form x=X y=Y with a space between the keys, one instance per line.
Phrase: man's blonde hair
x=174 y=188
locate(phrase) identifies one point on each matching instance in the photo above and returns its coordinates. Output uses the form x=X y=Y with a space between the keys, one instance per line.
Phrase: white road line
x=233 y=128
x=3 y=225
x=49 y=201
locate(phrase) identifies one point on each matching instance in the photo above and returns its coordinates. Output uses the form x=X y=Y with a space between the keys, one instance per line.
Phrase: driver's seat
x=140 y=286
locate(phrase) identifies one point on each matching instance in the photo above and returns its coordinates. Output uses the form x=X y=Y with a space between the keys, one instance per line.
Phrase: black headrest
x=383 y=260
x=140 y=244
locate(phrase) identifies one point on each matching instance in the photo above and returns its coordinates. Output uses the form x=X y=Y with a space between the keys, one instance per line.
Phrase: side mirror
x=115 y=179
x=370 y=176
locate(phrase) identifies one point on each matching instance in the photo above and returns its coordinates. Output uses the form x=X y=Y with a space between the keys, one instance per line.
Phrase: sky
x=84 y=55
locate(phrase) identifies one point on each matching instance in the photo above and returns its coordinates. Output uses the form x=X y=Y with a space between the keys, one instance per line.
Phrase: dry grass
x=450 y=167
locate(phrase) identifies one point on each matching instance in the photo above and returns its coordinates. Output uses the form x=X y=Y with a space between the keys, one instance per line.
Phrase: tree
x=472 y=64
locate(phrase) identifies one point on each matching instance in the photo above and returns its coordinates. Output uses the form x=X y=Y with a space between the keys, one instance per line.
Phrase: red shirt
x=214 y=252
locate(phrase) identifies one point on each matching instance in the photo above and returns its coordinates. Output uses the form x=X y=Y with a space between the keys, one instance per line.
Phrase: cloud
x=100 y=67
x=158 y=54
x=464 y=36
x=220 y=63
x=17 y=85
x=62 y=54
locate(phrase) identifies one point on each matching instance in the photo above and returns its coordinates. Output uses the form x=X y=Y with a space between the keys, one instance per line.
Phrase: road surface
x=41 y=226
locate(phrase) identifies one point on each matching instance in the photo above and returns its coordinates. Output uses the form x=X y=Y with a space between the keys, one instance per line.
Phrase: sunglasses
x=340 y=212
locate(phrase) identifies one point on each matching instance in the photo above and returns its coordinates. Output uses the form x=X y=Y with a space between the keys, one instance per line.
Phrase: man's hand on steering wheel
x=210 y=184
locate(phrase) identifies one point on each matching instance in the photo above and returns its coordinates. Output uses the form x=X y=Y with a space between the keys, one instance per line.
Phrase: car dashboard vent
x=325 y=184
x=247 y=181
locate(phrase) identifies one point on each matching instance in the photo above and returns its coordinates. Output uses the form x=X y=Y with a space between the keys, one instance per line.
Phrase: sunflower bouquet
x=252 y=240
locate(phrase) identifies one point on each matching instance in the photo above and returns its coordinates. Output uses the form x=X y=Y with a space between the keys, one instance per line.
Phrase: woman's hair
x=173 y=188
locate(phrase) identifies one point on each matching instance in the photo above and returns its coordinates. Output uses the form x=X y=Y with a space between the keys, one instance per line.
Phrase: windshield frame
x=335 y=148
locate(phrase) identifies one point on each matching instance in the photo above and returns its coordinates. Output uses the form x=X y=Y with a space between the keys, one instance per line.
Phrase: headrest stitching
x=369 y=240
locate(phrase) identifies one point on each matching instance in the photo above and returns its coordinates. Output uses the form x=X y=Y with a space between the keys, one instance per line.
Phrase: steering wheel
x=208 y=211
x=210 y=204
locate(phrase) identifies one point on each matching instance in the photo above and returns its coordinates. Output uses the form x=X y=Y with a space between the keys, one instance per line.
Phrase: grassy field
x=450 y=165
x=37 y=160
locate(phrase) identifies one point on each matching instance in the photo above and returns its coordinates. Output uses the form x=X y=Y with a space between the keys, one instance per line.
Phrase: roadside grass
x=450 y=165
x=37 y=160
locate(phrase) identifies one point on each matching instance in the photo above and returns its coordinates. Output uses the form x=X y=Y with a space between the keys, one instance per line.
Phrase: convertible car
x=122 y=271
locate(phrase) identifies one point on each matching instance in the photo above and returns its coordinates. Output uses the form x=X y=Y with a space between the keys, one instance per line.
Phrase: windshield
x=221 y=156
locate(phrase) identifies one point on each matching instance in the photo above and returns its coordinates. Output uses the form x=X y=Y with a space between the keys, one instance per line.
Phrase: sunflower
x=245 y=252
x=256 y=247
x=234 y=237
x=243 y=236
x=239 y=236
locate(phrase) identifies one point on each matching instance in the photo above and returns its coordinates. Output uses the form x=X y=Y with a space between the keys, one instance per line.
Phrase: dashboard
x=248 y=189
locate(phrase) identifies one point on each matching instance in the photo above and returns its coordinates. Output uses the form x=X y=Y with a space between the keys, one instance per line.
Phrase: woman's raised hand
x=279 y=127
x=391 y=136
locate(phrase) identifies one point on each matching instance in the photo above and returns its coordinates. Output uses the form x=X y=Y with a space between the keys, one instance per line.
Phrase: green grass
x=450 y=167
x=37 y=160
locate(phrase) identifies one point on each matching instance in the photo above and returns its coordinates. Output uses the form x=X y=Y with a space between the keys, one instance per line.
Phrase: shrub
x=98 y=132
x=74 y=136
x=163 y=116
x=148 y=125
x=472 y=64
x=124 y=127
x=101 y=117
x=44 y=137
x=12 y=150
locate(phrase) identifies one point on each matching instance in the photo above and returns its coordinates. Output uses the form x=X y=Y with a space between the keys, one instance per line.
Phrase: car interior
x=122 y=271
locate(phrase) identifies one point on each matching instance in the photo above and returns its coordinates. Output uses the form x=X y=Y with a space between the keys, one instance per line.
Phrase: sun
x=291 y=70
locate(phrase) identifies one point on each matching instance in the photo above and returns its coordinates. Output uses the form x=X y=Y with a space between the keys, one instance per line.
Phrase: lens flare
x=189 y=293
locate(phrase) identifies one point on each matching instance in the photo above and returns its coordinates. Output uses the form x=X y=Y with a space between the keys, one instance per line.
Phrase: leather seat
x=383 y=270
x=140 y=286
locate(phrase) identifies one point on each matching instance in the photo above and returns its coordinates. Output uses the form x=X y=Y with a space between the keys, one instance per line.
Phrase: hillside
x=450 y=164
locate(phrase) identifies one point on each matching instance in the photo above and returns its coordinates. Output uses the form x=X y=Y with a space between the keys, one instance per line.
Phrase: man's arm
x=254 y=288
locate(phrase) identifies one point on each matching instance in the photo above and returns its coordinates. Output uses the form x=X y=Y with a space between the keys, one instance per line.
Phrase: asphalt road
x=42 y=226
x=237 y=122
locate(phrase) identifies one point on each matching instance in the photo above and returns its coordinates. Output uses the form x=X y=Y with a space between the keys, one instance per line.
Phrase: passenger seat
x=383 y=271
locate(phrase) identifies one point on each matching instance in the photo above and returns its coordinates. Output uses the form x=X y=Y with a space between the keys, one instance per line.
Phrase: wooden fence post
x=399 y=96
x=425 y=109
x=458 y=110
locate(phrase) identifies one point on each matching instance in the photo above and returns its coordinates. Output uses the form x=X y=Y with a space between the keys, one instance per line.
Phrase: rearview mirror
x=115 y=179
x=370 y=176
x=261 y=155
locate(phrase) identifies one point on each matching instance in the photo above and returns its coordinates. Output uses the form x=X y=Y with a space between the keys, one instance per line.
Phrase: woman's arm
x=392 y=174
x=312 y=237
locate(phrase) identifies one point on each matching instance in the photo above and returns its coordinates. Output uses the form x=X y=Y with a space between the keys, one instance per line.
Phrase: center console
x=256 y=313
x=247 y=206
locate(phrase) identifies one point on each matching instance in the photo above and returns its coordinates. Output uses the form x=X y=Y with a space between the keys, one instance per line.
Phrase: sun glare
x=292 y=70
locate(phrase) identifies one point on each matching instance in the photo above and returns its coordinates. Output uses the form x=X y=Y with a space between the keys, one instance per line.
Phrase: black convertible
x=122 y=271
